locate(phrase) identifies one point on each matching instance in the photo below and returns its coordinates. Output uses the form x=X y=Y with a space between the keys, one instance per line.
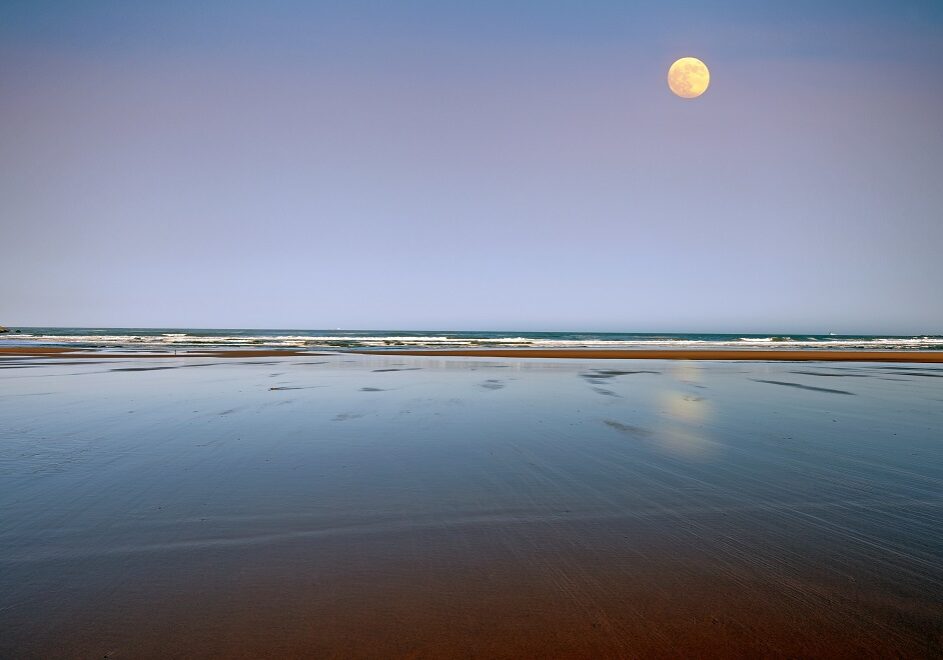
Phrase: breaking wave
x=131 y=338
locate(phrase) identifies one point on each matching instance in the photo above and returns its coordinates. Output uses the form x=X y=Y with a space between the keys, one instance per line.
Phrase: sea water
x=453 y=339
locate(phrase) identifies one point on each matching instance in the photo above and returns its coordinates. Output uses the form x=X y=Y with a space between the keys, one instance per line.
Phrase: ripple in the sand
x=831 y=374
x=343 y=417
x=281 y=388
x=599 y=376
x=627 y=428
x=802 y=387
x=604 y=391
x=377 y=371
x=141 y=368
x=900 y=367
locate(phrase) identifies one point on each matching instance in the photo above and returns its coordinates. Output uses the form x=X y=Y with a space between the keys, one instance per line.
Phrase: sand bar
x=579 y=354
x=689 y=354
x=64 y=352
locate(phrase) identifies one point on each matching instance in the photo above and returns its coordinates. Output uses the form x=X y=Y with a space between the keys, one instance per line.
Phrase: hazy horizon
x=471 y=166
x=497 y=330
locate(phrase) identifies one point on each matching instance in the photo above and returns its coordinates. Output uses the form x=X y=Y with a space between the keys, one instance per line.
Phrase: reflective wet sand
x=394 y=506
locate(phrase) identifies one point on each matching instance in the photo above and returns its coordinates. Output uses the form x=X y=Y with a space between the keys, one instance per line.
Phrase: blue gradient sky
x=503 y=165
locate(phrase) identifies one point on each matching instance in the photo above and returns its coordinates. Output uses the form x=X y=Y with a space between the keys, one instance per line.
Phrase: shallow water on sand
x=350 y=506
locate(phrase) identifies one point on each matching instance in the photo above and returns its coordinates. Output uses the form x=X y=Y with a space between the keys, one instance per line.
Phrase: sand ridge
x=928 y=357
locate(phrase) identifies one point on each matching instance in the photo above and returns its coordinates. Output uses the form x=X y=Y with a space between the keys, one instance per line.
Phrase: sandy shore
x=617 y=354
x=385 y=506
x=60 y=352
x=382 y=506
x=580 y=354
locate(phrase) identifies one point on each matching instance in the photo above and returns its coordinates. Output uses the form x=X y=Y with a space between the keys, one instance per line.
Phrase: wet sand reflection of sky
x=356 y=480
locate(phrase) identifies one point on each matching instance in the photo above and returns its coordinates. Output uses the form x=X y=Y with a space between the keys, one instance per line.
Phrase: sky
x=484 y=164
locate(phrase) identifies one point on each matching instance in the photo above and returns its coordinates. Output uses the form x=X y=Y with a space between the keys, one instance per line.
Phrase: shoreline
x=82 y=353
x=756 y=355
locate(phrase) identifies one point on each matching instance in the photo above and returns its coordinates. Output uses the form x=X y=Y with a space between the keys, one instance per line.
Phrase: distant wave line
x=128 y=337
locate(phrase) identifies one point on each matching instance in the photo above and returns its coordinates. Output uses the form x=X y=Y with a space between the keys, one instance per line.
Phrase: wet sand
x=387 y=506
x=928 y=357
x=692 y=354
x=86 y=353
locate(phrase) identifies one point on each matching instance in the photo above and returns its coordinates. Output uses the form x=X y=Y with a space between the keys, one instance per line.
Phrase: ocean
x=129 y=338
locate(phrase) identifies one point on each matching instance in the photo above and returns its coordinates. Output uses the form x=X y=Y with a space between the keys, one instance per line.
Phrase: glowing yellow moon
x=688 y=77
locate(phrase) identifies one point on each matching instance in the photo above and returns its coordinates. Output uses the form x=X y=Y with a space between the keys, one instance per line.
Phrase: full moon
x=688 y=77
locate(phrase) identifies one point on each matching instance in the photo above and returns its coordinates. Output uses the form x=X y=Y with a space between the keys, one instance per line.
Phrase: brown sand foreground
x=363 y=506
x=580 y=354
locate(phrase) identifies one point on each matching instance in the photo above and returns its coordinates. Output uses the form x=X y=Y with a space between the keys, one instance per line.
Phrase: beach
x=475 y=330
x=794 y=355
x=352 y=505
